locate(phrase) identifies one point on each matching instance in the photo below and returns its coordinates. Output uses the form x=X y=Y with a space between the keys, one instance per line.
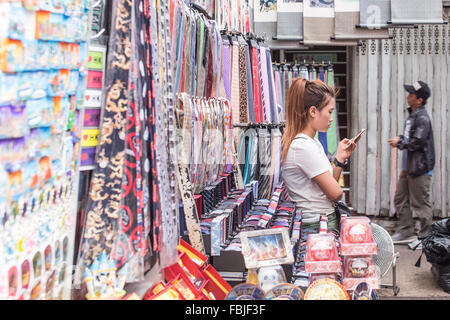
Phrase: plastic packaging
x=322 y=254
x=358 y=270
x=357 y=237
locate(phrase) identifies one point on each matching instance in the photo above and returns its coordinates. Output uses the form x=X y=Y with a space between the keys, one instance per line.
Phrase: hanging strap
x=192 y=221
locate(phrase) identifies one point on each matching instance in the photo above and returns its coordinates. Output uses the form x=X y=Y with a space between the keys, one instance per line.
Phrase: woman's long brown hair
x=302 y=95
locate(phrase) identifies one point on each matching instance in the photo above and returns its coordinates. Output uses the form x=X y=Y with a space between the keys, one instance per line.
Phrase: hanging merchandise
x=233 y=15
x=92 y=105
x=284 y=76
x=346 y=19
x=205 y=5
x=332 y=136
x=165 y=239
x=417 y=12
x=289 y=20
x=43 y=63
x=132 y=235
x=318 y=23
x=259 y=156
x=210 y=138
x=103 y=206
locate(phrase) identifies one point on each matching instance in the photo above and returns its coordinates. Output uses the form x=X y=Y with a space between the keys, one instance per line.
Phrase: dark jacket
x=420 y=143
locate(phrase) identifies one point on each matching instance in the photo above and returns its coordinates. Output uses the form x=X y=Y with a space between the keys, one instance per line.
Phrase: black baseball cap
x=420 y=89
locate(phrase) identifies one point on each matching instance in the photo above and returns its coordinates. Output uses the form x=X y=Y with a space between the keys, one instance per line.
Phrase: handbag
x=341 y=210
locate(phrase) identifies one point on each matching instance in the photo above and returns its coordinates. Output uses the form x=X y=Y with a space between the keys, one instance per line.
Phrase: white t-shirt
x=305 y=160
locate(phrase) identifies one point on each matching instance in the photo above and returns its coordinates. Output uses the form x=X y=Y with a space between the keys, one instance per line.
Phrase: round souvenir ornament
x=245 y=291
x=363 y=291
x=326 y=289
x=284 y=291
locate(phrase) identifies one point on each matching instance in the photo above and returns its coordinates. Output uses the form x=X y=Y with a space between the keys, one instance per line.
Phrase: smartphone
x=356 y=138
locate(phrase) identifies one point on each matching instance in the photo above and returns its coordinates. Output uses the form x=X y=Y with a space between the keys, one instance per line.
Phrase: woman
x=310 y=178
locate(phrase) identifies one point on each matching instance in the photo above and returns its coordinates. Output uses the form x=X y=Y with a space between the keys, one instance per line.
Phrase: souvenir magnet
x=93 y=98
x=94 y=79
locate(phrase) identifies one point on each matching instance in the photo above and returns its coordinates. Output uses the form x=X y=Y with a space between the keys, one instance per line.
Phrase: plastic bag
x=436 y=243
x=442 y=275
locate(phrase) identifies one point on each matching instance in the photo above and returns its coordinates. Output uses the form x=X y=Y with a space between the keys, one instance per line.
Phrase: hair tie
x=307 y=83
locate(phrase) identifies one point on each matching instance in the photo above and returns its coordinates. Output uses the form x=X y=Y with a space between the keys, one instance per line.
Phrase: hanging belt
x=179 y=47
x=199 y=55
x=170 y=236
x=193 y=69
x=198 y=143
x=264 y=155
x=271 y=86
x=208 y=60
x=228 y=135
x=276 y=157
x=323 y=135
x=184 y=114
x=235 y=81
x=249 y=82
x=265 y=84
x=333 y=132
x=256 y=82
x=278 y=94
x=227 y=60
x=243 y=99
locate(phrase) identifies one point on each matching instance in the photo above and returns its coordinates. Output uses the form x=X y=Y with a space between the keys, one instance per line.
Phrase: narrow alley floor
x=414 y=283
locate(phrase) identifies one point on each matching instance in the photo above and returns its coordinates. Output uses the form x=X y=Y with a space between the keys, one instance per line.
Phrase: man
x=413 y=188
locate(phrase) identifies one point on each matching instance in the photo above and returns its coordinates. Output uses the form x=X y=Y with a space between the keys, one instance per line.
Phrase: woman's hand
x=345 y=149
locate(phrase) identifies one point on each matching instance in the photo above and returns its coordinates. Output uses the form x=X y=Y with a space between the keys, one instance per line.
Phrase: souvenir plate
x=245 y=291
x=284 y=291
x=326 y=289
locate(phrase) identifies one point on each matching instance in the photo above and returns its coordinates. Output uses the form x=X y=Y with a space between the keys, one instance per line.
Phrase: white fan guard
x=385 y=256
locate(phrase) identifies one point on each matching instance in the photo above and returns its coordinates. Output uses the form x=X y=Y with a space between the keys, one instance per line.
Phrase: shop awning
x=374 y=13
x=289 y=20
x=347 y=18
x=416 y=11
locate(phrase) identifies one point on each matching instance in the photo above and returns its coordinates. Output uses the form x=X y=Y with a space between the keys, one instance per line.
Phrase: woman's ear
x=312 y=111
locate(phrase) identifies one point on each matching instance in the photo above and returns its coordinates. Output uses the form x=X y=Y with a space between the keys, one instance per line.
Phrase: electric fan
x=386 y=256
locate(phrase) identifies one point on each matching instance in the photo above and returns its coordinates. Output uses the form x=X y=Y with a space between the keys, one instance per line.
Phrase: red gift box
x=356 y=237
x=197 y=257
x=358 y=270
x=321 y=254
x=191 y=275
x=216 y=286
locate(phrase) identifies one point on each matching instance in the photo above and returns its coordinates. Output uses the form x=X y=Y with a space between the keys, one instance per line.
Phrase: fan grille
x=385 y=256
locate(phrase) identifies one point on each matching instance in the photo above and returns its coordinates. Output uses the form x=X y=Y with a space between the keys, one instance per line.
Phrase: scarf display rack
x=286 y=73
x=248 y=80
x=259 y=155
